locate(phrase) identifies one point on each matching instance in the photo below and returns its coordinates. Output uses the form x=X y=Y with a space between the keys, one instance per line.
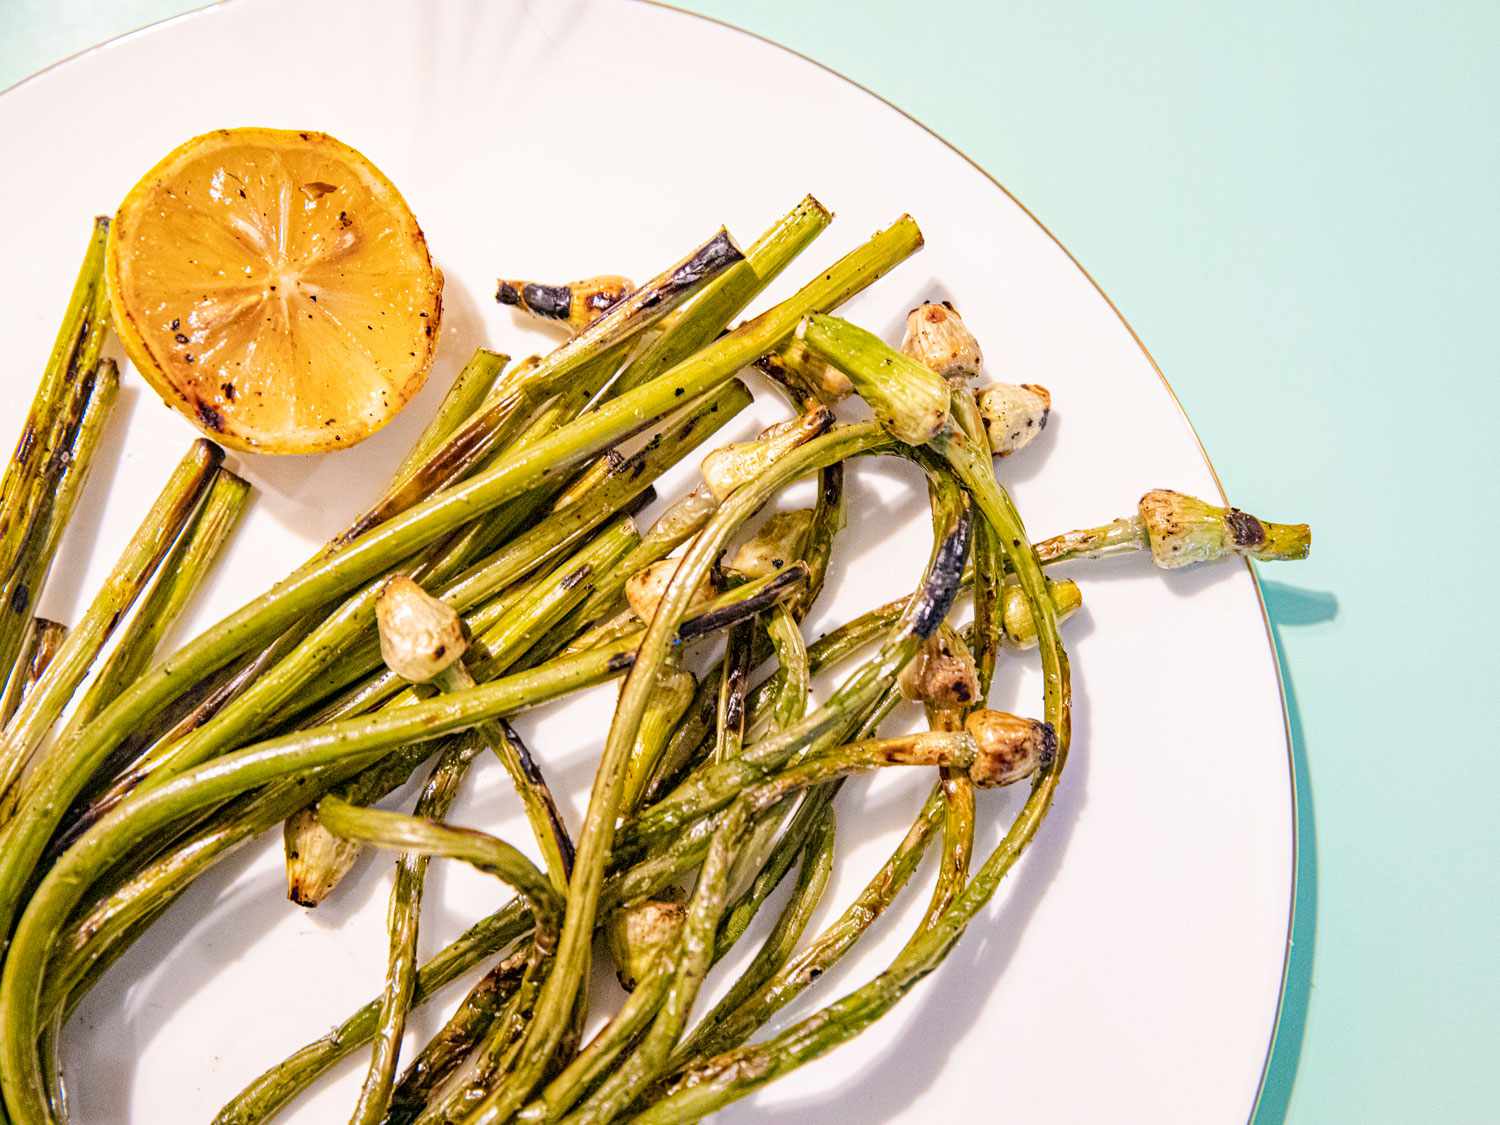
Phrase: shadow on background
x=1290 y=607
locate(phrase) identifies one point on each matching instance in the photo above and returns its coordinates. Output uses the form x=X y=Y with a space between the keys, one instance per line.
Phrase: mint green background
x=1296 y=206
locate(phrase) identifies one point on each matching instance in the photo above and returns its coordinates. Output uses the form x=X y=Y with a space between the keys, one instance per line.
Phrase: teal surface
x=1296 y=207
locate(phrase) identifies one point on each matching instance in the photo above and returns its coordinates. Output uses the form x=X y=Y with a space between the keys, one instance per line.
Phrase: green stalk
x=790 y=704
x=1118 y=537
x=316 y=861
x=183 y=571
x=442 y=1056
x=682 y=432
x=482 y=537
x=674 y=691
x=536 y=798
x=39 y=644
x=173 y=508
x=415 y=835
x=694 y=325
x=727 y=1026
x=332 y=640
x=267 y=1094
x=444 y=452
x=273 y=1089
x=827 y=521
x=812 y=880
x=63 y=476
x=403 y=916
x=713 y=786
x=585 y=1071
x=23 y=474
x=640 y=309
x=464 y=396
x=672 y=528
x=223 y=779
x=695 y=952
x=734 y=677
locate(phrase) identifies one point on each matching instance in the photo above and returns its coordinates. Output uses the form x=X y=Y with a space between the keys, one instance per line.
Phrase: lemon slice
x=275 y=288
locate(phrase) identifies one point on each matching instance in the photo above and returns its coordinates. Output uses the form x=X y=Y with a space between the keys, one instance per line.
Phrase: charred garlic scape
x=420 y=636
x=910 y=400
x=794 y=365
x=316 y=859
x=942 y=674
x=1017 y=622
x=1013 y=414
x=1182 y=530
x=938 y=337
x=777 y=544
x=730 y=466
x=576 y=304
x=420 y=639
x=645 y=588
x=639 y=931
x=1008 y=747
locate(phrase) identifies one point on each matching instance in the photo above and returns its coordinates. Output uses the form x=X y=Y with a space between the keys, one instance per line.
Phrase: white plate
x=1131 y=968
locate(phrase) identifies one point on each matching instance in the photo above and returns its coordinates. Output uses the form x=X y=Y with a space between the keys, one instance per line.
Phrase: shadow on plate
x=1290 y=606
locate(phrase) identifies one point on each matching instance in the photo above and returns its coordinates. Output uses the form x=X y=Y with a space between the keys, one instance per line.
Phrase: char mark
x=930 y=607
x=550 y=301
x=1246 y=529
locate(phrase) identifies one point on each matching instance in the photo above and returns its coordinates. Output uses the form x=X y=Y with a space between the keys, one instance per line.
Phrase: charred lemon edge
x=154 y=372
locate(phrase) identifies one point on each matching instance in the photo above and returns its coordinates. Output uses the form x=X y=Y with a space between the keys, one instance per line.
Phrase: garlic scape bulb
x=1182 y=530
x=910 y=400
x=420 y=636
x=576 y=304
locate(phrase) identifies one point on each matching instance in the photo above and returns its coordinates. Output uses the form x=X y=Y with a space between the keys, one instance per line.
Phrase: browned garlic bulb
x=1017 y=622
x=687 y=514
x=420 y=635
x=794 y=364
x=316 y=859
x=777 y=544
x=938 y=337
x=1008 y=747
x=1182 y=530
x=645 y=588
x=576 y=304
x=639 y=931
x=1014 y=415
x=942 y=674
x=730 y=466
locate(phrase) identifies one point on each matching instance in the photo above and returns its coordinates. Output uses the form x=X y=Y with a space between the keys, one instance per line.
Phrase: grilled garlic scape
x=794 y=364
x=1019 y=625
x=938 y=337
x=576 y=304
x=1013 y=415
x=686 y=515
x=638 y=932
x=776 y=545
x=316 y=859
x=942 y=674
x=420 y=636
x=645 y=588
x=1008 y=747
x=730 y=466
x=910 y=401
x=1182 y=530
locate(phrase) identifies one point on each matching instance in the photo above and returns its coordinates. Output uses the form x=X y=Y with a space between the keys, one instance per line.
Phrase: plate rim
x=1272 y=648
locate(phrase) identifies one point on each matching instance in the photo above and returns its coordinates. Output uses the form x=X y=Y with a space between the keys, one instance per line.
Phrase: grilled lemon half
x=275 y=288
